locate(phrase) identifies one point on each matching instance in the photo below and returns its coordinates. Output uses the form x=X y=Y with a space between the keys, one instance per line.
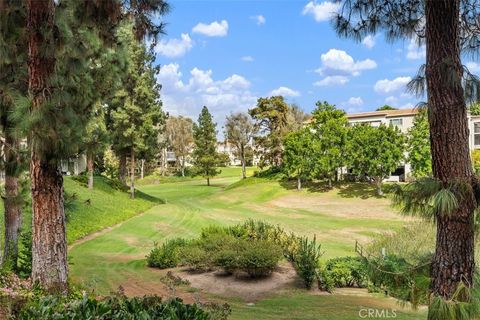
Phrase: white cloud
x=186 y=95
x=473 y=66
x=331 y=81
x=323 y=11
x=285 y=92
x=247 y=58
x=259 y=19
x=175 y=47
x=369 y=41
x=414 y=51
x=387 y=86
x=214 y=29
x=338 y=66
x=407 y=105
x=355 y=101
x=338 y=62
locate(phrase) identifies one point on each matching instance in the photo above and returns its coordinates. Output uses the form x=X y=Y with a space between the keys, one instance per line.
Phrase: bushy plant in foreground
x=259 y=258
x=346 y=272
x=112 y=308
x=307 y=260
x=166 y=255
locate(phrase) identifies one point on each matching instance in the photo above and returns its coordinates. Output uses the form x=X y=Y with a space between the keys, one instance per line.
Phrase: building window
x=476 y=134
x=396 y=122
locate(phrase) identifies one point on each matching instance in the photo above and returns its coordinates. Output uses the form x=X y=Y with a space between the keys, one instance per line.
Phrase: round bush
x=259 y=258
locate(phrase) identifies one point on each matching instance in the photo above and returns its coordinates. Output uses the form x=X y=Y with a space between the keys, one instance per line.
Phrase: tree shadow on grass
x=361 y=190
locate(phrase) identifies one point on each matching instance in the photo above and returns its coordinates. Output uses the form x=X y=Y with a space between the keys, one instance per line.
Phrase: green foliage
x=346 y=272
x=259 y=258
x=205 y=158
x=82 y=179
x=386 y=107
x=375 y=151
x=330 y=134
x=196 y=258
x=307 y=260
x=166 y=255
x=239 y=131
x=113 y=307
x=271 y=116
x=418 y=146
x=474 y=109
x=429 y=197
x=24 y=265
x=476 y=160
x=299 y=154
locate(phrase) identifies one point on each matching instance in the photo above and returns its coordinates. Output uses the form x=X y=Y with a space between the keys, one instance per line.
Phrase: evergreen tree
x=205 y=158
x=13 y=79
x=330 y=127
x=448 y=28
x=136 y=113
x=62 y=39
x=375 y=151
x=419 y=155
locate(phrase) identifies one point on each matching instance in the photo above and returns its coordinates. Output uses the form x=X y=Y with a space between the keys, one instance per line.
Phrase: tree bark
x=454 y=254
x=329 y=183
x=132 y=173
x=378 y=186
x=142 y=166
x=242 y=156
x=183 y=166
x=12 y=202
x=90 y=170
x=49 y=245
x=208 y=181
x=299 y=183
x=122 y=168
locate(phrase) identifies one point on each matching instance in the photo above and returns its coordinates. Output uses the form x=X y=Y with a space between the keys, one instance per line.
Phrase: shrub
x=259 y=258
x=166 y=256
x=112 y=308
x=195 y=258
x=82 y=179
x=227 y=259
x=347 y=272
x=307 y=260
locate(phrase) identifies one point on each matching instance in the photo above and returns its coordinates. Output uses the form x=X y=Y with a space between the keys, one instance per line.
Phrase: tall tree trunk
x=132 y=173
x=183 y=166
x=12 y=202
x=330 y=183
x=208 y=181
x=142 y=166
x=122 y=168
x=242 y=156
x=90 y=169
x=378 y=186
x=454 y=254
x=49 y=247
x=299 y=183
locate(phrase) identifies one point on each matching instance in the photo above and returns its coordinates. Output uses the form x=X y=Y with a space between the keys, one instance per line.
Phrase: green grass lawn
x=337 y=218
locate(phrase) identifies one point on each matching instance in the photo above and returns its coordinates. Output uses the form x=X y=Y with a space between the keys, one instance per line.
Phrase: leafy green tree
x=205 y=158
x=136 y=114
x=299 y=154
x=330 y=127
x=449 y=29
x=375 y=151
x=239 y=130
x=419 y=155
x=386 y=107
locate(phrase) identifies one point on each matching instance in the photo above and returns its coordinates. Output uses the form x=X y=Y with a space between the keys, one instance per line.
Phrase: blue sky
x=226 y=54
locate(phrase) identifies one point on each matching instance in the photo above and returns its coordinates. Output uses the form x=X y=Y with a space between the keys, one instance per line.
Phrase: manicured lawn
x=337 y=218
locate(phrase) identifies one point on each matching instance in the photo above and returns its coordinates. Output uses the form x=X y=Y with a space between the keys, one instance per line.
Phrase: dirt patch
x=240 y=286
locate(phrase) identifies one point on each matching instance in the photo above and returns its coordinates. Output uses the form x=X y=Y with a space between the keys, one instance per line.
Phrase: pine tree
x=136 y=115
x=205 y=157
x=62 y=38
x=13 y=89
x=449 y=28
